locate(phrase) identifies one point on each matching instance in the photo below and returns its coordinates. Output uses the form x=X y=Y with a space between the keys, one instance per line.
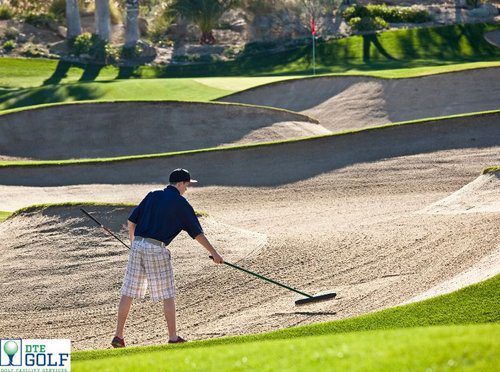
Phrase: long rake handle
x=266 y=279
x=104 y=227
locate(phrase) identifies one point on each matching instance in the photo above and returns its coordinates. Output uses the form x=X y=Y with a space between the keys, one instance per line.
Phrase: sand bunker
x=92 y=130
x=347 y=102
x=283 y=163
x=480 y=196
x=339 y=213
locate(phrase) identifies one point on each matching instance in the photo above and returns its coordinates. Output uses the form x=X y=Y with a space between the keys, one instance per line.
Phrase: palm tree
x=102 y=19
x=204 y=13
x=132 y=28
x=73 y=19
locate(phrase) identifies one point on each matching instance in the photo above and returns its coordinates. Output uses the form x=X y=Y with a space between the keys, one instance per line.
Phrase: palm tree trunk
x=73 y=19
x=132 y=30
x=102 y=19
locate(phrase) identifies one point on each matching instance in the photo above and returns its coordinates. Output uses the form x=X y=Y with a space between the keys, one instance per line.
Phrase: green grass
x=406 y=53
x=472 y=348
x=491 y=170
x=401 y=49
x=134 y=89
x=4 y=215
x=476 y=304
x=32 y=163
x=40 y=207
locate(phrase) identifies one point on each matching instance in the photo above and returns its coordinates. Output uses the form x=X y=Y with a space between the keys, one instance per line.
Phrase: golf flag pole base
x=308 y=298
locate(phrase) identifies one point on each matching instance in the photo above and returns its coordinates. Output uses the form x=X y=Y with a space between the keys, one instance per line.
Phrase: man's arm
x=131 y=230
x=201 y=238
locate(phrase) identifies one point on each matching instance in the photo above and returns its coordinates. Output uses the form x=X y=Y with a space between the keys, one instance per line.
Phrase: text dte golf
x=35 y=355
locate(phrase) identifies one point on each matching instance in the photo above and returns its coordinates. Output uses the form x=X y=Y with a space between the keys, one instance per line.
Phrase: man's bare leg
x=169 y=311
x=123 y=309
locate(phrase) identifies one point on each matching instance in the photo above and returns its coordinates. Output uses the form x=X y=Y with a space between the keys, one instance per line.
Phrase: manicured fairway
x=144 y=89
x=472 y=348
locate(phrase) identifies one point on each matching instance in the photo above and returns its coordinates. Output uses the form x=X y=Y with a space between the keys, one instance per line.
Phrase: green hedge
x=393 y=14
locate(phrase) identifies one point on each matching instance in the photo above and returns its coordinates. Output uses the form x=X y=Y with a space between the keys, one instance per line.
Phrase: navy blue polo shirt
x=162 y=214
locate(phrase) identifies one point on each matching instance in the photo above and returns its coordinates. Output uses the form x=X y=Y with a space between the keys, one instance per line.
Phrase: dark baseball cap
x=180 y=175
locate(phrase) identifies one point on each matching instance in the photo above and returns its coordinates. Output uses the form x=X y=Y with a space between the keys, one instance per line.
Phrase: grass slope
x=479 y=303
x=36 y=163
x=391 y=54
x=399 y=49
x=41 y=207
x=134 y=89
x=4 y=215
x=491 y=169
x=470 y=348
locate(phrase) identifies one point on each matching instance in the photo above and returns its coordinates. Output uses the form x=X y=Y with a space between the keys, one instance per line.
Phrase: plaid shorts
x=148 y=263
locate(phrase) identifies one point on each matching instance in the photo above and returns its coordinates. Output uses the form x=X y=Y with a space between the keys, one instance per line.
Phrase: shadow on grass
x=50 y=94
x=417 y=47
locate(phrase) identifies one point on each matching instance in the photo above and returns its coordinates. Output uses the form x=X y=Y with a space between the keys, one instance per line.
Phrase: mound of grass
x=417 y=349
x=399 y=49
x=491 y=170
x=41 y=207
x=150 y=89
x=4 y=215
x=479 y=303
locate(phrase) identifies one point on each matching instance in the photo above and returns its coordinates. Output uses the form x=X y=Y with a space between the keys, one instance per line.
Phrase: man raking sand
x=152 y=226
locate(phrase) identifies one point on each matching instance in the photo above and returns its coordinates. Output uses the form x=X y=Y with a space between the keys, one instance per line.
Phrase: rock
x=21 y=38
x=60 y=47
x=148 y=51
x=238 y=25
x=53 y=26
x=62 y=31
x=485 y=10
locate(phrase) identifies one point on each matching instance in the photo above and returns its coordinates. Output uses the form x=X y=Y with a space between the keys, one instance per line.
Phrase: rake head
x=319 y=298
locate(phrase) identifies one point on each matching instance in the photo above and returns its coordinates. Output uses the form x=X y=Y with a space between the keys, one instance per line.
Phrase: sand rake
x=307 y=300
x=303 y=301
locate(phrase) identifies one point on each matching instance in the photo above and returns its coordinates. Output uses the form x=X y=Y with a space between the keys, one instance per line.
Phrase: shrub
x=115 y=13
x=159 y=25
x=40 y=20
x=58 y=8
x=82 y=44
x=131 y=52
x=394 y=14
x=90 y=44
x=31 y=50
x=8 y=45
x=473 y=3
x=5 y=12
x=11 y=33
x=112 y=54
x=368 y=23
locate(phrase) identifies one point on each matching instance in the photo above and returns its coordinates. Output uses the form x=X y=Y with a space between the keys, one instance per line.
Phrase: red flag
x=313 y=27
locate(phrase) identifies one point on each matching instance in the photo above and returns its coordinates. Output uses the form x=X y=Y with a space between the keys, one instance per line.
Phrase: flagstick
x=314 y=55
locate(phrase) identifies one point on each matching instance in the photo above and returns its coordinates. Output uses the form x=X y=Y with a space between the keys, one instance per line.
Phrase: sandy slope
x=349 y=221
x=346 y=102
x=91 y=130
x=277 y=164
